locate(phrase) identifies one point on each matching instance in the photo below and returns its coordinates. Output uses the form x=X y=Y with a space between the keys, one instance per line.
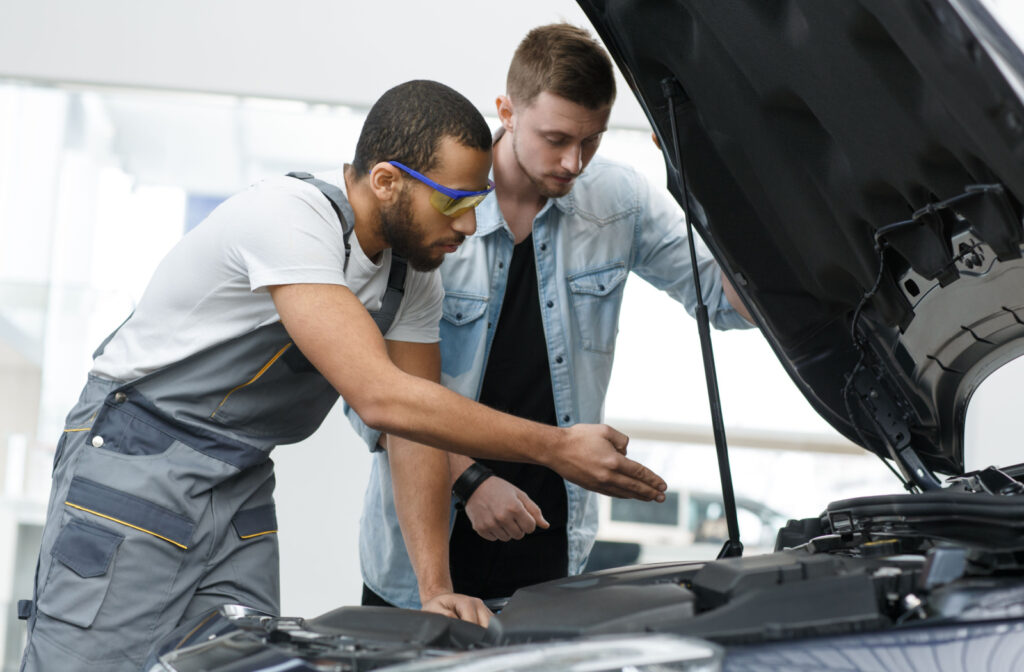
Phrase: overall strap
x=396 y=276
x=110 y=337
x=392 y=295
x=336 y=197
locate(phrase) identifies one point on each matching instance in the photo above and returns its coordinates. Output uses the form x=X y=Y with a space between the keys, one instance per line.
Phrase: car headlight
x=637 y=653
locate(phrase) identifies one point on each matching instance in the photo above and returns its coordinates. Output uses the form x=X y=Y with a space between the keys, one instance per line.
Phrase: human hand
x=594 y=457
x=456 y=605
x=499 y=511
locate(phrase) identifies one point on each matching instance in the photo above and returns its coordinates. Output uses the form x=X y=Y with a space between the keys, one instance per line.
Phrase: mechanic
x=530 y=318
x=161 y=506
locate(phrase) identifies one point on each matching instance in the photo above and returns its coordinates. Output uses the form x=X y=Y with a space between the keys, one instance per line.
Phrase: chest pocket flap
x=596 y=298
x=598 y=282
x=460 y=309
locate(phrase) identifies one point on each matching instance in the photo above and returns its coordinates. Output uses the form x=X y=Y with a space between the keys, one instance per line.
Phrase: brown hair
x=564 y=60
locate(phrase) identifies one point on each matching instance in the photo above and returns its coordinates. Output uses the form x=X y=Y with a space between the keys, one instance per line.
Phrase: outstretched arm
x=419 y=475
x=333 y=330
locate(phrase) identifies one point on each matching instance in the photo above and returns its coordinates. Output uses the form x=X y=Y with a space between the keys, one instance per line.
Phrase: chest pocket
x=596 y=301
x=461 y=309
x=462 y=330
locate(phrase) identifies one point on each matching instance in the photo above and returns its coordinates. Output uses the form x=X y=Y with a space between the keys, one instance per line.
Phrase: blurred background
x=124 y=122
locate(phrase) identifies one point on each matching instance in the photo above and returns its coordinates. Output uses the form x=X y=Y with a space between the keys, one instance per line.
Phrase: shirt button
x=600 y=288
x=543 y=247
x=550 y=304
x=558 y=360
x=120 y=397
x=565 y=418
x=97 y=441
x=488 y=325
x=458 y=316
x=501 y=264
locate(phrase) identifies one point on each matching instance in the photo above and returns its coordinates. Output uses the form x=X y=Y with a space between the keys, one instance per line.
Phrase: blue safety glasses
x=447 y=201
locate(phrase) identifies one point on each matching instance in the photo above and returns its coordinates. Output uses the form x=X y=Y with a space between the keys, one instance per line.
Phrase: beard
x=402 y=234
x=545 y=190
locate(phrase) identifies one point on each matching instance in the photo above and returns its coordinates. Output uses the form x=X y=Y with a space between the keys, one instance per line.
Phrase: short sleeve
x=419 y=318
x=284 y=237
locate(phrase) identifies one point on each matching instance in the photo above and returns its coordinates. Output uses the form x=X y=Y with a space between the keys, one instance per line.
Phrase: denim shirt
x=586 y=243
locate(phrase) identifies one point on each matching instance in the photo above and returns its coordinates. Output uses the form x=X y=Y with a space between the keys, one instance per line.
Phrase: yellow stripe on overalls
x=253 y=379
x=134 y=527
x=258 y=534
x=82 y=429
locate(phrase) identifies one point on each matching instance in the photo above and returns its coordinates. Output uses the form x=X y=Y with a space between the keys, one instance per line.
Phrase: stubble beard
x=538 y=182
x=402 y=234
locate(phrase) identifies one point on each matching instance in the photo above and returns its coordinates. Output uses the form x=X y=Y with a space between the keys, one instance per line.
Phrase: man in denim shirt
x=531 y=314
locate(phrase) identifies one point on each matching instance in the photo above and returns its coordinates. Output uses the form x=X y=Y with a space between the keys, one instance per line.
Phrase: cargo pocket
x=131 y=511
x=596 y=300
x=80 y=573
x=255 y=522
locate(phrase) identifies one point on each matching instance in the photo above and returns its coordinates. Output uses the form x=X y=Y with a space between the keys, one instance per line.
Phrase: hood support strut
x=733 y=546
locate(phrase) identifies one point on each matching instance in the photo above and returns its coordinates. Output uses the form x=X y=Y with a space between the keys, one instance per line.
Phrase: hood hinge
x=890 y=423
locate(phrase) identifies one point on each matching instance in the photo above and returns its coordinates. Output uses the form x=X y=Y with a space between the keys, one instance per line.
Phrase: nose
x=572 y=160
x=465 y=223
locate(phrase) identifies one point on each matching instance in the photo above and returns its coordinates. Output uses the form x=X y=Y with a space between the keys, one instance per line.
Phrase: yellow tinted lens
x=453 y=207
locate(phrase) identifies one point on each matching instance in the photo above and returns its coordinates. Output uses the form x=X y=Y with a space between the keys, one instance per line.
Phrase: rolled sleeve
x=663 y=258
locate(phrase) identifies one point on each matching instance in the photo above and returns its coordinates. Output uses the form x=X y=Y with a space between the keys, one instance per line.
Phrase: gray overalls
x=162 y=499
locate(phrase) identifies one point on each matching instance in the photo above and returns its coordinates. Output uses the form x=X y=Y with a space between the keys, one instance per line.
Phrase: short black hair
x=407 y=124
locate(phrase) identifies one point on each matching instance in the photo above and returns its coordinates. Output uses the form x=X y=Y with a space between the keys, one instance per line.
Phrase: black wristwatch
x=466 y=484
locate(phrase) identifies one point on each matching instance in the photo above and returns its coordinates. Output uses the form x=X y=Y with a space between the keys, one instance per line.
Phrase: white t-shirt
x=212 y=286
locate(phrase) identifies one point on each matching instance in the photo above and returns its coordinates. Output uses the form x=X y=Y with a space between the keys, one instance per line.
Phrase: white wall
x=343 y=51
x=320 y=484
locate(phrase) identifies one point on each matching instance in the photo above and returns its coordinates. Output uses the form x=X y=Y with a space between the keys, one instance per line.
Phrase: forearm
x=419 y=476
x=428 y=413
x=337 y=335
x=592 y=456
x=456 y=465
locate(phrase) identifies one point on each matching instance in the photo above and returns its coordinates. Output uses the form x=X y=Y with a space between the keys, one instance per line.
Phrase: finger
x=522 y=519
x=473 y=610
x=515 y=530
x=535 y=513
x=639 y=472
x=618 y=440
x=441 y=606
x=636 y=481
x=483 y=614
x=488 y=530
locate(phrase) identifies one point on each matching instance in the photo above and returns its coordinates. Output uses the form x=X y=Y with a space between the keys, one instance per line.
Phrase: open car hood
x=857 y=167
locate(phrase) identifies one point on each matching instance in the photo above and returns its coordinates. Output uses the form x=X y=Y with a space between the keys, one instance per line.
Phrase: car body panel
x=810 y=130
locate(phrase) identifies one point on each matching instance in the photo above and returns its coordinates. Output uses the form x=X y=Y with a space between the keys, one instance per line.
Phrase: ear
x=385 y=182
x=506 y=112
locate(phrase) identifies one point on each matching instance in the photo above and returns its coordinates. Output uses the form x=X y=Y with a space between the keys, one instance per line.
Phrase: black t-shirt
x=517 y=381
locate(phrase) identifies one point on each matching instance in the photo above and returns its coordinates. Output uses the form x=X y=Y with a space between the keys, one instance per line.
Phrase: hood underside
x=857 y=167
